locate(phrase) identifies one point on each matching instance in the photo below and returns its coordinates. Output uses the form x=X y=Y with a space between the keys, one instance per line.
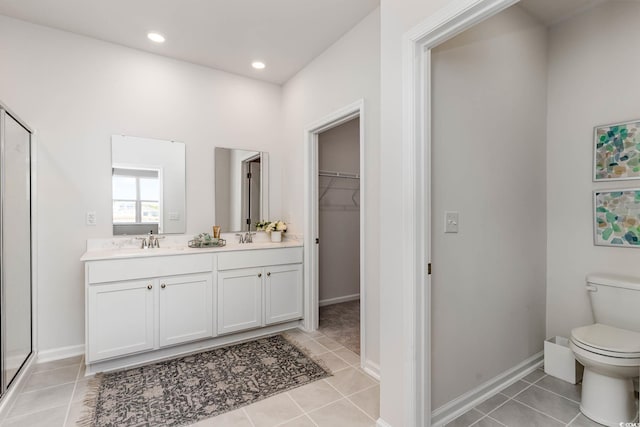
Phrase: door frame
x=453 y=19
x=311 y=222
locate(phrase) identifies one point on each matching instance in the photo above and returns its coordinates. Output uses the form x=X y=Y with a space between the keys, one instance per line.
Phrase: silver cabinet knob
x=259 y=274
x=269 y=274
x=149 y=287
x=163 y=286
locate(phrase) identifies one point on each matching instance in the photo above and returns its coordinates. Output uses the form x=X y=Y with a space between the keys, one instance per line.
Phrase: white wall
x=587 y=87
x=339 y=217
x=397 y=17
x=346 y=72
x=77 y=92
x=488 y=163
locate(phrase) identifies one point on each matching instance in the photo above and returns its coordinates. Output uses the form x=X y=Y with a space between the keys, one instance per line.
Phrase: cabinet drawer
x=142 y=268
x=258 y=258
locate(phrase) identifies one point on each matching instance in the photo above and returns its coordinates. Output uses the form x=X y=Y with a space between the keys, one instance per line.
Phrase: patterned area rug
x=192 y=388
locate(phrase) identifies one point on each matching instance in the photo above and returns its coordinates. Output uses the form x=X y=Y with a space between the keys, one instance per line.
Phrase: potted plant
x=274 y=228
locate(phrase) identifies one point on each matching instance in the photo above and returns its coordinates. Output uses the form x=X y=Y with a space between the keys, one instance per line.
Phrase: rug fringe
x=304 y=350
x=90 y=401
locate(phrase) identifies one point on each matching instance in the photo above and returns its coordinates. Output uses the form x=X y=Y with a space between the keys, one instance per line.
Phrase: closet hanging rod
x=339 y=174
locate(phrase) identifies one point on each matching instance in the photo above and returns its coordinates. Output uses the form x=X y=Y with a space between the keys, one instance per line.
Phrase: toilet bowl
x=610 y=350
x=610 y=363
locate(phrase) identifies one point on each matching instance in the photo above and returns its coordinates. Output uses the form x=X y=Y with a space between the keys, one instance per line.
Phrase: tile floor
x=341 y=322
x=538 y=400
x=53 y=395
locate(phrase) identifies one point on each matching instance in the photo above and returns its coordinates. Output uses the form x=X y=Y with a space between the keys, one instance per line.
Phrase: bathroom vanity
x=148 y=304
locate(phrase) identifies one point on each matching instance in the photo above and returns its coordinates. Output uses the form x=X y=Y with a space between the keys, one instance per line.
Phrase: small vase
x=276 y=236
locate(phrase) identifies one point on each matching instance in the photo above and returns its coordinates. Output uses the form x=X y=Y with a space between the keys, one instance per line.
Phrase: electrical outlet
x=91 y=218
x=451 y=221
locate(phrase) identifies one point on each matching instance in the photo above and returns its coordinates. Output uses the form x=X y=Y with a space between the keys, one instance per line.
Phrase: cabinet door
x=283 y=293
x=121 y=319
x=239 y=300
x=186 y=308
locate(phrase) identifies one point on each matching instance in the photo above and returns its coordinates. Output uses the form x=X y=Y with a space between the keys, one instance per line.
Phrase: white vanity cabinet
x=142 y=307
x=258 y=288
x=120 y=319
x=186 y=308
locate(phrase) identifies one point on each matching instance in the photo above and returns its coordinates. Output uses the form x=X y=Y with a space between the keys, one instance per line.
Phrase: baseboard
x=60 y=353
x=382 y=423
x=450 y=411
x=16 y=387
x=372 y=369
x=338 y=300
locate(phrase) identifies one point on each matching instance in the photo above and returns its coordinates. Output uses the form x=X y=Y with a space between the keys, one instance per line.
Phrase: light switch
x=174 y=216
x=91 y=218
x=451 y=221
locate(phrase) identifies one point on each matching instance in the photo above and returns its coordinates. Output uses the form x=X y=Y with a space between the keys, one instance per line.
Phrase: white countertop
x=119 y=247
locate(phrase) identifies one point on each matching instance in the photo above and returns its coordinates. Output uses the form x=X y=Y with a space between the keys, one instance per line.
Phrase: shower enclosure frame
x=8 y=385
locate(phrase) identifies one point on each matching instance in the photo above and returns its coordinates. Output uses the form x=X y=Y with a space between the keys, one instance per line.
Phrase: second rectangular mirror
x=241 y=189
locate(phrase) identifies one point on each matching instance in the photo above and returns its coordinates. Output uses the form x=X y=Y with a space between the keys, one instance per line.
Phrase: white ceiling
x=222 y=34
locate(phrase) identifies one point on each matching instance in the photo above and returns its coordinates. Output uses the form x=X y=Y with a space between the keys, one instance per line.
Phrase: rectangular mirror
x=148 y=185
x=241 y=189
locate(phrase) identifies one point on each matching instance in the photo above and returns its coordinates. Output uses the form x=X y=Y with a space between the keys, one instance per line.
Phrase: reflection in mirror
x=148 y=179
x=241 y=187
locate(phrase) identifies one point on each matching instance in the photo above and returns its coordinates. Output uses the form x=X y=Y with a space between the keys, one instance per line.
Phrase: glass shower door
x=16 y=247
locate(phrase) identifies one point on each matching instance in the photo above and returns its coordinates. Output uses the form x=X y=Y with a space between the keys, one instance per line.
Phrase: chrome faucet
x=246 y=237
x=144 y=244
x=150 y=242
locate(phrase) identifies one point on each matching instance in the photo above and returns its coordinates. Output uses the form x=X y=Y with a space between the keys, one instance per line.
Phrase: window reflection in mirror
x=241 y=187
x=148 y=181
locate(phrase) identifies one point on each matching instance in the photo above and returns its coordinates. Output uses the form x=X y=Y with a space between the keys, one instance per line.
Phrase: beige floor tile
x=53 y=417
x=369 y=401
x=50 y=378
x=329 y=343
x=76 y=411
x=314 y=334
x=350 y=380
x=313 y=348
x=314 y=395
x=57 y=364
x=236 y=418
x=348 y=356
x=273 y=411
x=80 y=391
x=331 y=361
x=303 y=421
x=297 y=335
x=341 y=414
x=39 y=400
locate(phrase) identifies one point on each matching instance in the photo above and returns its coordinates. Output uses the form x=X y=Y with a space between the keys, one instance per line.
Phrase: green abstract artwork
x=617 y=151
x=617 y=218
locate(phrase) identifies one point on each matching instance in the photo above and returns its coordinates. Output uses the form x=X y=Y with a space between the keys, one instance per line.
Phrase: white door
x=186 y=308
x=121 y=319
x=283 y=293
x=239 y=300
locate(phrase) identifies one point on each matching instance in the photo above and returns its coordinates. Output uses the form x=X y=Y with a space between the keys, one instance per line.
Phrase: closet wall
x=339 y=214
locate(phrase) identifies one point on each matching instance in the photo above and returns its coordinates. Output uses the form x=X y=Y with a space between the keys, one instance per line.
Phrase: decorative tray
x=213 y=243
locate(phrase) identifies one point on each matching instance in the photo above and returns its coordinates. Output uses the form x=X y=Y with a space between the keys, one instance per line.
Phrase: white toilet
x=610 y=350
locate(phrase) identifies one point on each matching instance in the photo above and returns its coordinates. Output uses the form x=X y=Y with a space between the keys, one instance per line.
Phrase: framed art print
x=617 y=218
x=617 y=151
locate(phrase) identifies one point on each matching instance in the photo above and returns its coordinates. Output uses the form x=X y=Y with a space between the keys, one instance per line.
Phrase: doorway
x=334 y=188
x=339 y=233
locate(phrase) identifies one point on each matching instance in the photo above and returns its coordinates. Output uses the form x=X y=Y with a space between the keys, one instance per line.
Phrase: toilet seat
x=607 y=341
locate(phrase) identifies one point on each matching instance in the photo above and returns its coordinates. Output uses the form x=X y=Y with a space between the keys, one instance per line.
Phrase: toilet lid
x=608 y=338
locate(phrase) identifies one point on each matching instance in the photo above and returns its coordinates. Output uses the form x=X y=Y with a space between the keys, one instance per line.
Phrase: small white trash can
x=560 y=362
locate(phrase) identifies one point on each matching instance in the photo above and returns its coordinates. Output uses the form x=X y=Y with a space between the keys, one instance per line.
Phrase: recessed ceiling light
x=258 y=65
x=155 y=37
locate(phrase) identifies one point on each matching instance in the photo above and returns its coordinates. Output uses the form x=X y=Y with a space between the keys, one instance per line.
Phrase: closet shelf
x=346 y=175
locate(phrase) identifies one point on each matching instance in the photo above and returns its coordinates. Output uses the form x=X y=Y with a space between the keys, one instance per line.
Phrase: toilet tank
x=615 y=300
